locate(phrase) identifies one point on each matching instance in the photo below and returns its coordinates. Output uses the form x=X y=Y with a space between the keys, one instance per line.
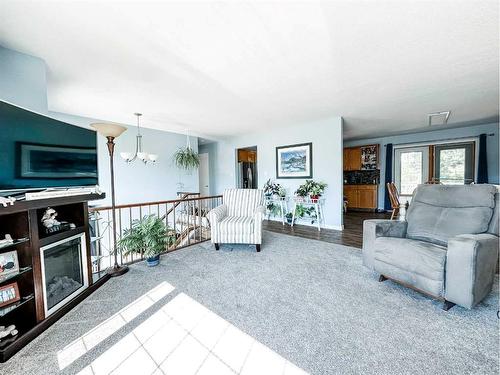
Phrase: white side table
x=281 y=202
x=315 y=203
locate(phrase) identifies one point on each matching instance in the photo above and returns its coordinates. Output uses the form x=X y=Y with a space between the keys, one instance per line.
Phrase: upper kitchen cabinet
x=361 y=158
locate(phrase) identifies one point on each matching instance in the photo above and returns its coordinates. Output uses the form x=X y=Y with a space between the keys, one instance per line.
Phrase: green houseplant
x=317 y=189
x=148 y=236
x=301 y=211
x=186 y=158
x=289 y=217
x=311 y=188
x=273 y=188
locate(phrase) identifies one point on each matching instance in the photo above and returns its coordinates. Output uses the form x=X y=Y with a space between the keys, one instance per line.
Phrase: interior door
x=454 y=163
x=411 y=168
x=204 y=175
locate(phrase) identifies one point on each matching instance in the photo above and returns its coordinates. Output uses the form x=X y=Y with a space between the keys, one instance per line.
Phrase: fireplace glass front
x=64 y=274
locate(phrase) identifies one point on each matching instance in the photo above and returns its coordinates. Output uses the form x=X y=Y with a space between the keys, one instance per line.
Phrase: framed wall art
x=294 y=161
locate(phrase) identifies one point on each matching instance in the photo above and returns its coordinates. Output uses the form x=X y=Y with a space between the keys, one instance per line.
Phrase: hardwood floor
x=352 y=235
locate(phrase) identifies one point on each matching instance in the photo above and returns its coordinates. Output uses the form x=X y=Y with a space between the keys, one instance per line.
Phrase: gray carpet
x=311 y=302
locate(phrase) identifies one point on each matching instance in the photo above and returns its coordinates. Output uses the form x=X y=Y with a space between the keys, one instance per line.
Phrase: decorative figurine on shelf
x=49 y=218
x=6 y=241
x=8 y=331
x=52 y=225
x=4 y=201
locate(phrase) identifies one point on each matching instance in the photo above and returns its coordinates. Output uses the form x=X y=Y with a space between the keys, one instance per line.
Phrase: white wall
x=136 y=182
x=23 y=80
x=326 y=137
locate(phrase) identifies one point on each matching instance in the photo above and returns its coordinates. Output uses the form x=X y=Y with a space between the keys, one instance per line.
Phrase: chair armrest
x=470 y=268
x=260 y=213
x=217 y=214
x=379 y=228
x=258 y=216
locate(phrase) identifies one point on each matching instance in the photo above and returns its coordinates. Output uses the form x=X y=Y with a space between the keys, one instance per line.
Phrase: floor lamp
x=112 y=131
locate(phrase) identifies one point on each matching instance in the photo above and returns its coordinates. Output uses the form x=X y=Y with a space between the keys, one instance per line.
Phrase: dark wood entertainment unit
x=23 y=220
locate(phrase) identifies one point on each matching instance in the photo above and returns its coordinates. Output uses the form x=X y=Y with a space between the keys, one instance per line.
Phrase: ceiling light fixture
x=438 y=118
x=139 y=154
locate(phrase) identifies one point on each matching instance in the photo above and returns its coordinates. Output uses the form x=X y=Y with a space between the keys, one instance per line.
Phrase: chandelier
x=139 y=154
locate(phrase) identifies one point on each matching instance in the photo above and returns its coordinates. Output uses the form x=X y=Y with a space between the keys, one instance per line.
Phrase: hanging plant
x=186 y=157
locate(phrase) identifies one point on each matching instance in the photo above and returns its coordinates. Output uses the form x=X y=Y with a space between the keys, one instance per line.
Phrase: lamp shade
x=108 y=129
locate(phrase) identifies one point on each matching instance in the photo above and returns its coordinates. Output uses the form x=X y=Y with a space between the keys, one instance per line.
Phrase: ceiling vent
x=438 y=118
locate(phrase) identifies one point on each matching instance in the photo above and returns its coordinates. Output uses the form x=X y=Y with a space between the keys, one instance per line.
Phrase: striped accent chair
x=239 y=218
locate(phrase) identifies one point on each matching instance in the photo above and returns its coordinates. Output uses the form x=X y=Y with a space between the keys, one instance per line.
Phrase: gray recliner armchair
x=447 y=247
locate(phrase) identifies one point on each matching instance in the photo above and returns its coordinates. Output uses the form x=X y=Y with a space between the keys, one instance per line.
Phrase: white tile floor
x=183 y=337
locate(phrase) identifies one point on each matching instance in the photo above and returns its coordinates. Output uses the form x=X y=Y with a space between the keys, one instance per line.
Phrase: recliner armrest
x=379 y=228
x=470 y=268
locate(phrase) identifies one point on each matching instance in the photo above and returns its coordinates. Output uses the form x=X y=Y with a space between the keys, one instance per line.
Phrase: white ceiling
x=231 y=68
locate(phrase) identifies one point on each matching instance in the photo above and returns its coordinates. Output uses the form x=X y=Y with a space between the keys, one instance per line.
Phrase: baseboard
x=334 y=227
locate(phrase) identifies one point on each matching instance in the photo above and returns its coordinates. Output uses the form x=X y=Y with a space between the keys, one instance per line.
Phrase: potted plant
x=289 y=217
x=311 y=188
x=274 y=189
x=273 y=209
x=268 y=188
x=317 y=189
x=301 y=211
x=281 y=191
x=186 y=158
x=301 y=191
x=148 y=236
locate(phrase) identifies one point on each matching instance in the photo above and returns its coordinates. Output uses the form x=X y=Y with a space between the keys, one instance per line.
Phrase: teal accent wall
x=435 y=136
x=19 y=125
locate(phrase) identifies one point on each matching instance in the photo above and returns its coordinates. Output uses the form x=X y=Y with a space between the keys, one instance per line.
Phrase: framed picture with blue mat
x=294 y=161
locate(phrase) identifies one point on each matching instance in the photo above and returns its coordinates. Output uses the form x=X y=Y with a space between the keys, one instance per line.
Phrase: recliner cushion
x=439 y=212
x=418 y=263
x=237 y=225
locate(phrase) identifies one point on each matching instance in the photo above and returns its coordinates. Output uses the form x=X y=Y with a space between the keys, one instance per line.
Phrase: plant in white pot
x=187 y=158
x=148 y=236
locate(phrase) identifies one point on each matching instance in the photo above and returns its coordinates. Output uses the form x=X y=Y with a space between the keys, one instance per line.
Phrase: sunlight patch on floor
x=95 y=336
x=184 y=337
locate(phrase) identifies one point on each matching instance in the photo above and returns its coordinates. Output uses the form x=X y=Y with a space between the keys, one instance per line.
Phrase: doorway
x=246 y=170
x=204 y=175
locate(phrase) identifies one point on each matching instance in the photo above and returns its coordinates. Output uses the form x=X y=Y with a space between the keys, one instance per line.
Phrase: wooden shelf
x=10 y=308
x=60 y=236
x=22 y=271
x=15 y=243
x=23 y=219
x=24 y=205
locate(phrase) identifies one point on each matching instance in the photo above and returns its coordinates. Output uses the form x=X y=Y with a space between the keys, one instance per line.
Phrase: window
x=411 y=168
x=446 y=163
x=453 y=163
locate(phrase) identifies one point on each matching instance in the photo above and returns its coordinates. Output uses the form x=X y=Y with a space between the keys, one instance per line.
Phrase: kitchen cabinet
x=353 y=158
x=247 y=156
x=361 y=196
